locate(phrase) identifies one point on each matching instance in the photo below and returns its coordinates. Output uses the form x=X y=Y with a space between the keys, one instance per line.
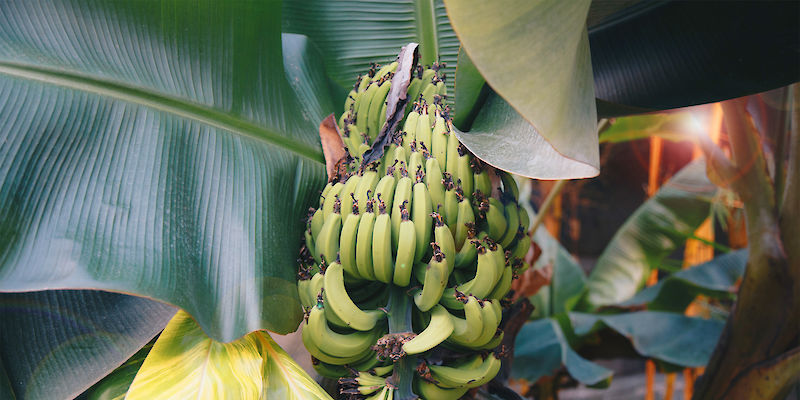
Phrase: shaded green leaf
x=655 y=230
x=470 y=91
x=670 y=337
x=115 y=385
x=715 y=278
x=354 y=33
x=535 y=55
x=185 y=363
x=541 y=348
x=159 y=148
x=55 y=344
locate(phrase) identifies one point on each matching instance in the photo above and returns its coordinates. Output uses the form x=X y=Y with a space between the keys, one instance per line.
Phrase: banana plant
x=168 y=150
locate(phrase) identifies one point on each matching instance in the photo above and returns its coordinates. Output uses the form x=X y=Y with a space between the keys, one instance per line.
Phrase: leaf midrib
x=160 y=102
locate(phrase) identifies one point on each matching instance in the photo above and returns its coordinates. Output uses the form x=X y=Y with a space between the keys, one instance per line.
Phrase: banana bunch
x=429 y=217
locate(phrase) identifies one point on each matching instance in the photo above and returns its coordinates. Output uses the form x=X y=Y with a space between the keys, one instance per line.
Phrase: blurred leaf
x=535 y=55
x=159 y=148
x=715 y=278
x=185 y=363
x=655 y=230
x=675 y=126
x=6 y=391
x=541 y=348
x=470 y=91
x=674 y=338
x=354 y=33
x=55 y=344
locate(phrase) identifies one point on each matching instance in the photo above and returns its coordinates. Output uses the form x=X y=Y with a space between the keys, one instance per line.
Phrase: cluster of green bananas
x=429 y=217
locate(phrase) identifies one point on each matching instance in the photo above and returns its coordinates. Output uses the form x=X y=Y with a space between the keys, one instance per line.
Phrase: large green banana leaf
x=656 y=229
x=354 y=33
x=167 y=149
x=541 y=348
x=535 y=55
x=674 y=338
x=186 y=364
x=54 y=344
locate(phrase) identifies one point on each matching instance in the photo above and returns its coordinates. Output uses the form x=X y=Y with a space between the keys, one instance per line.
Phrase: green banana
x=314 y=349
x=382 y=245
x=386 y=186
x=467 y=330
x=327 y=243
x=434 y=280
x=374 y=120
x=483 y=183
x=333 y=193
x=511 y=214
x=348 y=240
x=433 y=179
x=464 y=174
x=453 y=156
x=402 y=195
x=450 y=202
x=339 y=301
x=503 y=285
x=439 y=138
x=520 y=250
x=406 y=247
x=465 y=216
x=430 y=391
x=364 y=242
x=496 y=223
x=486 y=275
x=420 y=214
x=509 y=184
x=469 y=378
x=366 y=186
x=363 y=105
x=410 y=129
x=347 y=195
x=469 y=251
x=491 y=320
x=444 y=238
x=424 y=134
x=337 y=344
x=439 y=329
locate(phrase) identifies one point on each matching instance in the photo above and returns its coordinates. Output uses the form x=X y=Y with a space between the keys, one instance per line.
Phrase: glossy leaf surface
x=541 y=348
x=535 y=55
x=186 y=364
x=55 y=344
x=354 y=33
x=670 y=337
x=159 y=148
x=655 y=230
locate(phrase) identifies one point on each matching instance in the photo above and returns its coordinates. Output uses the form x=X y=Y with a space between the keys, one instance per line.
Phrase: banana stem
x=425 y=15
x=400 y=322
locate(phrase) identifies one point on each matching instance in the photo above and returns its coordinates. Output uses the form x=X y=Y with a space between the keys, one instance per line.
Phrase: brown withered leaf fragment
x=332 y=147
x=396 y=103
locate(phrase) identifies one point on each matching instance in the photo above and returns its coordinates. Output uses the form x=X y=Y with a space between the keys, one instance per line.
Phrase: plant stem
x=425 y=16
x=546 y=204
x=400 y=322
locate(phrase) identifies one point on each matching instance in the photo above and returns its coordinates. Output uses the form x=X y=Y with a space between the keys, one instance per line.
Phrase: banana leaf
x=55 y=344
x=670 y=337
x=658 y=227
x=185 y=363
x=535 y=56
x=166 y=149
x=716 y=278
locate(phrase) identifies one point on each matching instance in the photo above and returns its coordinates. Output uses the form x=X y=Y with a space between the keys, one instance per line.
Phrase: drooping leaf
x=354 y=33
x=470 y=91
x=670 y=337
x=715 y=278
x=115 y=385
x=535 y=55
x=186 y=364
x=541 y=348
x=655 y=230
x=55 y=344
x=159 y=148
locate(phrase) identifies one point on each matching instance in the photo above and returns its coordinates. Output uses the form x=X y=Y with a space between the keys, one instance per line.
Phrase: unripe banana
x=382 y=245
x=340 y=303
x=444 y=238
x=439 y=138
x=467 y=330
x=433 y=179
x=347 y=195
x=363 y=106
x=402 y=195
x=486 y=275
x=327 y=244
x=451 y=205
x=503 y=285
x=453 y=156
x=336 y=344
x=496 y=223
x=424 y=134
x=428 y=391
x=420 y=214
x=375 y=120
x=465 y=174
x=469 y=251
x=434 y=281
x=439 y=329
x=348 y=240
x=314 y=348
x=386 y=186
x=327 y=205
x=520 y=250
x=410 y=129
x=483 y=182
x=406 y=247
x=509 y=184
x=511 y=212
x=472 y=377
x=491 y=320
x=366 y=187
x=466 y=218
x=364 y=242
x=416 y=162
